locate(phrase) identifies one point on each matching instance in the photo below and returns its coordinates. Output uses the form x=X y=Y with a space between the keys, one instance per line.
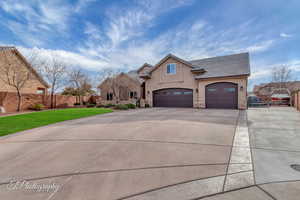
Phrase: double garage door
x=173 y=97
x=217 y=95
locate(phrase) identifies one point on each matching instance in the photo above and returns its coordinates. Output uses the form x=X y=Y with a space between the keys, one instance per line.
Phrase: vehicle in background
x=254 y=101
x=280 y=99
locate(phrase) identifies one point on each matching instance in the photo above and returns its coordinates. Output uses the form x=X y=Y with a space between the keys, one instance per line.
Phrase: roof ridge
x=224 y=56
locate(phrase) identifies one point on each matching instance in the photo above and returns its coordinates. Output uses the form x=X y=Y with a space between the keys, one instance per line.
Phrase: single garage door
x=173 y=97
x=221 y=95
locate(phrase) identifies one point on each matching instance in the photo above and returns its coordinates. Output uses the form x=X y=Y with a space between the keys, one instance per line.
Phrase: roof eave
x=202 y=78
x=29 y=66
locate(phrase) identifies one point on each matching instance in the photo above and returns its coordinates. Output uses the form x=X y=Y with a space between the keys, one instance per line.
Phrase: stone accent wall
x=9 y=100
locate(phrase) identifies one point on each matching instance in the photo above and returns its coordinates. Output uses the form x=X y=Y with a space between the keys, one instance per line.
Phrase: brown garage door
x=173 y=97
x=221 y=95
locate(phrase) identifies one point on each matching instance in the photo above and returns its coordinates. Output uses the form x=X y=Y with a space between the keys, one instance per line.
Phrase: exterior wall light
x=197 y=90
x=241 y=88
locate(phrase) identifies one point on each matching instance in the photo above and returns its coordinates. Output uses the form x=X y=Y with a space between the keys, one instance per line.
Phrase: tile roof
x=6 y=48
x=223 y=66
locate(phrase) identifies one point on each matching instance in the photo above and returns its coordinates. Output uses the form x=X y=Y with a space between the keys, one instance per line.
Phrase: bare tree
x=14 y=76
x=80 y=81
x=54 y=72
x=281 y=75
x=51 y=68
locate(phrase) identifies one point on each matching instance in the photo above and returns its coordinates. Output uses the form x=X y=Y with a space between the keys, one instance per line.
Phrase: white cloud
x=40 y=19
x=193 y=40
x=81 y=4
x=70 y=58
x=265 y=70
x=262 y=46
x=285 y=35
x=122 y=42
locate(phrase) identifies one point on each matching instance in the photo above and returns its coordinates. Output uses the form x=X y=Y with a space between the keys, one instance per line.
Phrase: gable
x=183 y=73
x=121 y=78
x=15 y=53
x=126 y=78
x=144 y=69
x=171 y=59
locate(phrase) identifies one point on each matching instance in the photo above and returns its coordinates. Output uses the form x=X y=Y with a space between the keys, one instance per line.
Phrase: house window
x=171 y=68
x=212 y=90
x=188 y=93
x=109 y=96
x=177 y=93
x=229 y=89
x=40 y=91
x=133 y=95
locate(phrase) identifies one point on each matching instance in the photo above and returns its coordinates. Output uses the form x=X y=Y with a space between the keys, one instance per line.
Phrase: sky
x=123 y=34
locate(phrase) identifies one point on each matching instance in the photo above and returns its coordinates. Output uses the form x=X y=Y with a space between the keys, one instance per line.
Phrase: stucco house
x=121 y=89
x=35 y=85
x=218 y=82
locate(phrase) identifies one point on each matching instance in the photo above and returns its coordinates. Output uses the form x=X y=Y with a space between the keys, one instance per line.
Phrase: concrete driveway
x=275 y=142
x=141 y=154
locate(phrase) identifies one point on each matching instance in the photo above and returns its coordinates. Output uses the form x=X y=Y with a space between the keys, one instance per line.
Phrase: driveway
x=154 y=153
x=275 y=142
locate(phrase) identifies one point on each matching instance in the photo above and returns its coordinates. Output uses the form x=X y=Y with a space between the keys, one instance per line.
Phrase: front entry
x=221 y=95
x=173 y=97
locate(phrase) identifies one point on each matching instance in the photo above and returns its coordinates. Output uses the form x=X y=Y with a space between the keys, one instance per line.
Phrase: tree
x=80 y=82
x=14 y=76
x=52 y=69
x=281 y=75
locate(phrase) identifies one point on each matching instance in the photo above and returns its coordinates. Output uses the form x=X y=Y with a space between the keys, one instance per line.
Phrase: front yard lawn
x=16 y=123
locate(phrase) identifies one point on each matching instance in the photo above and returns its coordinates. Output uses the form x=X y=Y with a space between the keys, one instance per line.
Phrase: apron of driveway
x=119 y=154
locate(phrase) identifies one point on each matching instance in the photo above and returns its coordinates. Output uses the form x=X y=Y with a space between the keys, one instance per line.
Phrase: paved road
x=120 y=154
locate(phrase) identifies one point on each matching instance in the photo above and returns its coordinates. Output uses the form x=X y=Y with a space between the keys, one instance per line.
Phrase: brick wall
x=296 y=100
x=10 y=57
x=9 y=100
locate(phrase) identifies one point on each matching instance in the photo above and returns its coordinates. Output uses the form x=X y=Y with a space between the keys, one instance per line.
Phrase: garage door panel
x=221 y=95
x=173 y=97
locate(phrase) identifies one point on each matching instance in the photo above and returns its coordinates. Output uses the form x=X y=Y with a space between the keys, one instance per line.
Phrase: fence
x=9 y=100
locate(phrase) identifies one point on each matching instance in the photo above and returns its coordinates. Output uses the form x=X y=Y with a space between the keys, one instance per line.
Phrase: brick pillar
x=298 y=100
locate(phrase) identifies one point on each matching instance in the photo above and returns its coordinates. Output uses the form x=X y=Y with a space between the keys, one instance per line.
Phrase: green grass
x=16 y=123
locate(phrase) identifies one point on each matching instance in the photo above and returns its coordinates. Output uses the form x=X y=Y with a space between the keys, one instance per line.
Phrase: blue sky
x=98 y=34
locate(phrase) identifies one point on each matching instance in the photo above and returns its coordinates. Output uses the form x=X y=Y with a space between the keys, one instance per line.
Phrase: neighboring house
x=35 y=85
x=218 y=82
x=121 y=89
x=268 y=89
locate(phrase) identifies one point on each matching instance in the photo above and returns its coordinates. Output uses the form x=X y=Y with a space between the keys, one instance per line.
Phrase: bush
x=121 y=107
x=100 y=106
x=109 y=105
x=37 y=107
x=147 y=105
x=131 y=106
x=90 y=105
x=77 y=104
